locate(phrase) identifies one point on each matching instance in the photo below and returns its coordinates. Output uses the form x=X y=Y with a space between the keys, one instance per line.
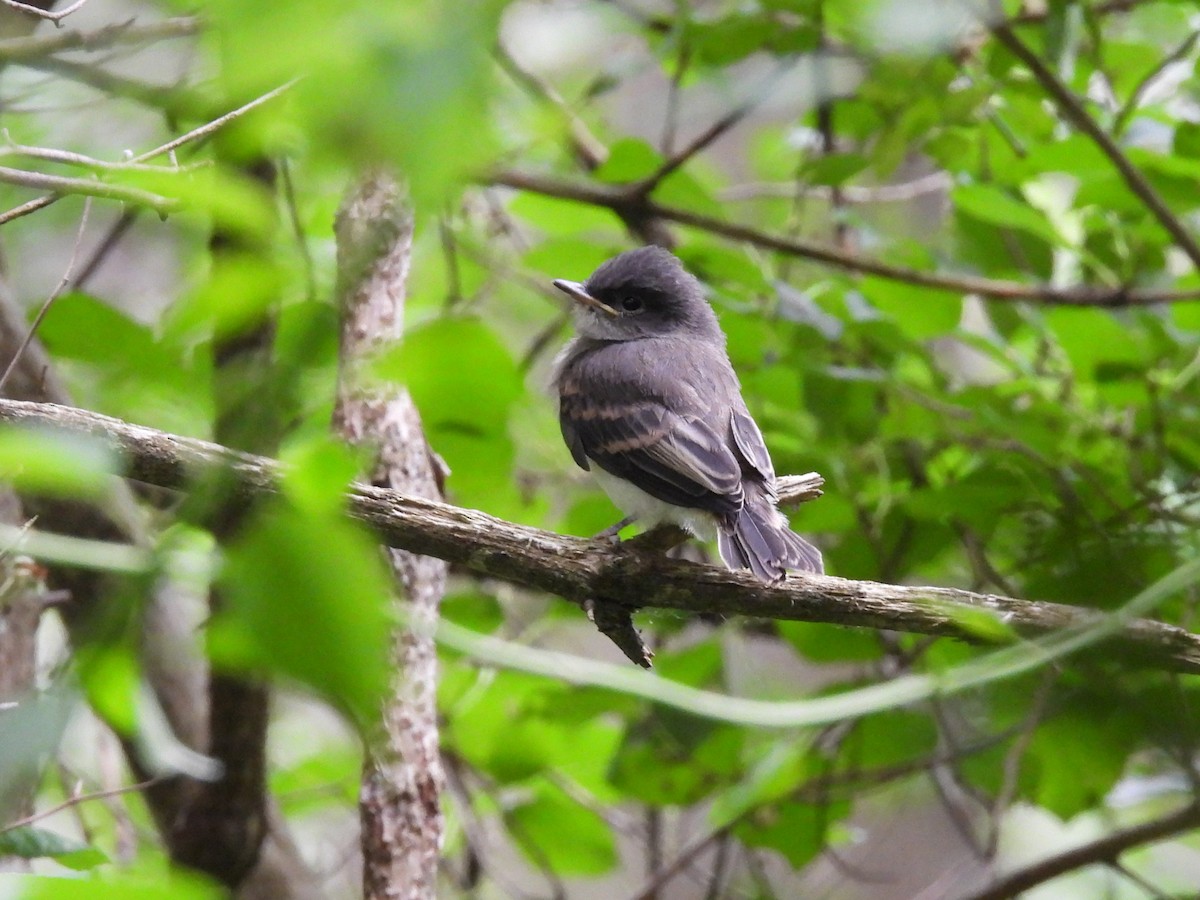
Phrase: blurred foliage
x=1044 y=451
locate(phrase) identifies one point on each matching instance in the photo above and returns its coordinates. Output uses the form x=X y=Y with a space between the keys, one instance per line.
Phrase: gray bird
x=650 y=404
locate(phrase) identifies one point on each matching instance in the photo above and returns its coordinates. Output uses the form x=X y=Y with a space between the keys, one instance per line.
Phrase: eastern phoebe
x=650 y=404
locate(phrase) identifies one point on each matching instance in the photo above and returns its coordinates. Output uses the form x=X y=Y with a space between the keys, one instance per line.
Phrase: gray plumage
x=649 y=402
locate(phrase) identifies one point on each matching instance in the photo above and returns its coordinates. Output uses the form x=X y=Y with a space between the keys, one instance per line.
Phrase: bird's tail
x=758 y=538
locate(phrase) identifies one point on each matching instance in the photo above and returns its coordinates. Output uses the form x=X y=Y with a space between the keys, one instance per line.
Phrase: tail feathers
x=759 y=539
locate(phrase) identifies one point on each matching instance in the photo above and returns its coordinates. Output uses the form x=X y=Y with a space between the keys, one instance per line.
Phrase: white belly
x=650 y=511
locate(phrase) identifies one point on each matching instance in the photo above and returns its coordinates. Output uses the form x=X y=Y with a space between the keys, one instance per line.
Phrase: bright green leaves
x=517 y=730
x=919 y=312
x=465 y=384
x=729 y=39
x=134 y=886
x=405 y=85
x=55 y=463
x=628 y=160
x=307 y=594
x=1097 y=342
x=116 y=365
x=990 y=204
x=36 y=843
x=1079 y=756
x=555 y=830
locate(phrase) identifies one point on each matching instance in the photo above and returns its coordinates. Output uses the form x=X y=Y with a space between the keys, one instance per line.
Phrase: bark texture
x=625 y=574
x=402 y=823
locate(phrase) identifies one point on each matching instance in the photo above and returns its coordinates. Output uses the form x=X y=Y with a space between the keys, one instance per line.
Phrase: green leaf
x=993 y=205
x=158 y=886
x=919 y=312
x=1187 y=140
x=405 y=86
x=62 y=464
x=239 y=292
x=307 y=598
x=628 y=160
x=112 y=680
x=822 y=643
x=117 y=366
x=1092 y=337
x=29 y=842
x=798 y=831
x=1080 y=754
x=464 y=383
x=834 y=168
x=555 y=830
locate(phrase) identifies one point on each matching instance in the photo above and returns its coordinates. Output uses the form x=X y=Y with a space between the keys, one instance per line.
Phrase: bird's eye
x=631 y=304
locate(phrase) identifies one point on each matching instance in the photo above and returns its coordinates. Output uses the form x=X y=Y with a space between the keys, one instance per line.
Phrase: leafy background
x=1036 y=449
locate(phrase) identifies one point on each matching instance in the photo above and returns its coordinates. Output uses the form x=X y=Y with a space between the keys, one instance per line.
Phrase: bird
x=649 y=403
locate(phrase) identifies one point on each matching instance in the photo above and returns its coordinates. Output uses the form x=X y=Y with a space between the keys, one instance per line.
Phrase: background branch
x=1072 y=109
x=1106 y=849
x=624 y=205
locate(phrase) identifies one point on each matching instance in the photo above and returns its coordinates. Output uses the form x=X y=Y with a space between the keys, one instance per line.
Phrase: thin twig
x=588 y=149
x=1109 y=847
x=935 y=182
x=15 y=50
x=619 y=201
x=54 y=295
x=195 y=134
x=682 y=61
x=29 y=206
x=1125 y=113
x=119 y=228
x=1011 y=768
x=707 y=137
x=1033 y=13
x=293 y=211
x=1073 y=109
x=216 y=124
x=75 y=801
x=159 y=96
x=1152 y=890
x=55 y=17
x=88 y=187
x=67 y=157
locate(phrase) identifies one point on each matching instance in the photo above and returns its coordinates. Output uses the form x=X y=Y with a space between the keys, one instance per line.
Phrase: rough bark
x=580 y=569
x=402 y=823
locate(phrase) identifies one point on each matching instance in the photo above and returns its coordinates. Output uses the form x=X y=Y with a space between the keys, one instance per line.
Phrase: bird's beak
x=579 y=294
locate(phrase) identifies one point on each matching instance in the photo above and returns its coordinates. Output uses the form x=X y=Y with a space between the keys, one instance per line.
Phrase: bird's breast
x=650 y=511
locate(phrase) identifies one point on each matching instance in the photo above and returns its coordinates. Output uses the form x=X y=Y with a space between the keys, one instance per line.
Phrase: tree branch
x=1072 y=108
x=399 y=802
x=1106 y=849
x=15 y=50
x=195 y=134
x=88 y=187
x=624 y=205
x=54 y=17
x=580 y=570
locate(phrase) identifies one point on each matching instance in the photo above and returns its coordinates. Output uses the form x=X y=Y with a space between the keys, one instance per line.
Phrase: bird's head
x=641 y=293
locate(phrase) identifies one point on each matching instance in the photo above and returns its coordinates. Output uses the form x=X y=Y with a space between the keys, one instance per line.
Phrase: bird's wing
x=751 y=447
x=664 y=438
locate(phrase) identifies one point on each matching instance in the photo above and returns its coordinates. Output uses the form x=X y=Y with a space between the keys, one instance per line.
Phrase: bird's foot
x=612 y=533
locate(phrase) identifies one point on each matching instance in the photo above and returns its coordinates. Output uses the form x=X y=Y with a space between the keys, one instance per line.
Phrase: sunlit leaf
x=33 y=843
x=567 y=836
x=308 y=598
